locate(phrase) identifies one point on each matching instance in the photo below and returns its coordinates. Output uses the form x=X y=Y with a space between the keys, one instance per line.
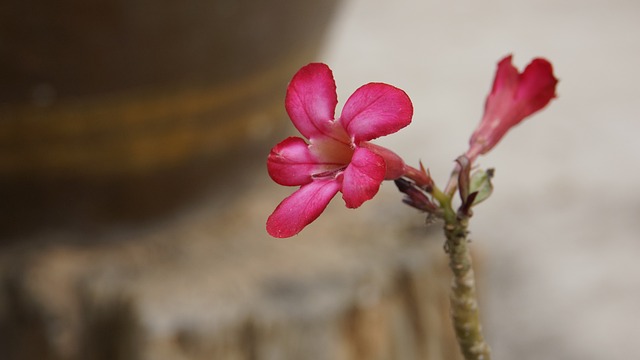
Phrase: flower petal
x=291 y=163
x=311 y=100
x=505 y=82
x=537 y=86
x=362 y=178
x=375 y=110
x=301 y=208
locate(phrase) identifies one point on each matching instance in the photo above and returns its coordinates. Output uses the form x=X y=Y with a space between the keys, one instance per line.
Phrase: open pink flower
x=338 y=155
x=514 y=96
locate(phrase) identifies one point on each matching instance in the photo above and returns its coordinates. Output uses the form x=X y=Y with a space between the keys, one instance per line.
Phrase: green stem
x=445 y=204
x=464 y=304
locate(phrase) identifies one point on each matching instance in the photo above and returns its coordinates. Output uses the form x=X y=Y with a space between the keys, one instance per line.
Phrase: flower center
x=333 y=156
x=333 y=173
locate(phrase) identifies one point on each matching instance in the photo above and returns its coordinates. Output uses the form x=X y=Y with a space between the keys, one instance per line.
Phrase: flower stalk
x=463 y=299
x=465 y=312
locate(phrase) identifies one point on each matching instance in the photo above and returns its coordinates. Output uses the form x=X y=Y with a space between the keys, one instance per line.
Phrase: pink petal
x=362 y=178
x=301 y=208
x=376 y=110
x=503 y=92
x=537 y=86
x=291 y=163
x=506 y=80
x=311 y=100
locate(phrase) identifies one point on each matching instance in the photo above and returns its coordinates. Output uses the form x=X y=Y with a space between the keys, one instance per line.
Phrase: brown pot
x=125 y=109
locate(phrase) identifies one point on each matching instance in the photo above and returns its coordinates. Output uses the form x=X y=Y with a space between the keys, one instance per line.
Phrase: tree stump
x=211 y=284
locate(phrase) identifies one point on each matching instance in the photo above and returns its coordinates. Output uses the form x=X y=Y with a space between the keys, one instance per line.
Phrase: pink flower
x=338 y=156
x=514 y=97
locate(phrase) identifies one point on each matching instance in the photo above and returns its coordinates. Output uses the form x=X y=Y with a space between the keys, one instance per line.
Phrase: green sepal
x=480 y=183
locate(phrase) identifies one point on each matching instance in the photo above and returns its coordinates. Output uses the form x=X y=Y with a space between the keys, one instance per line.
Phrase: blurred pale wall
x=560 y=233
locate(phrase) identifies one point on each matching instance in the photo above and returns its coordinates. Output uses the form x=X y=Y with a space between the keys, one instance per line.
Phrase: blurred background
x=133 y=192
x=559 y=234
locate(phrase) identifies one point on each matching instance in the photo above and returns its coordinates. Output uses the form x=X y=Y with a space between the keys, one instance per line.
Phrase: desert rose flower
x=514 y=96
x=338 y=156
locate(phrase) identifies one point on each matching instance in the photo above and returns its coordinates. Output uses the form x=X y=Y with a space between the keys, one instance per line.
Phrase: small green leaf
x=481 y=183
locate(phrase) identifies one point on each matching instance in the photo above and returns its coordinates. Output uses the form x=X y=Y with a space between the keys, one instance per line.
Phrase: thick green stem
x=464 y=304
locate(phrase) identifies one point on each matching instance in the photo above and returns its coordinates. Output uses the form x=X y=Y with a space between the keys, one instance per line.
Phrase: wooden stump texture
x=370 y=283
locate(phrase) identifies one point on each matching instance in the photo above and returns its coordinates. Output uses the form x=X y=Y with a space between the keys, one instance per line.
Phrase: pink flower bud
x=514 y=96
